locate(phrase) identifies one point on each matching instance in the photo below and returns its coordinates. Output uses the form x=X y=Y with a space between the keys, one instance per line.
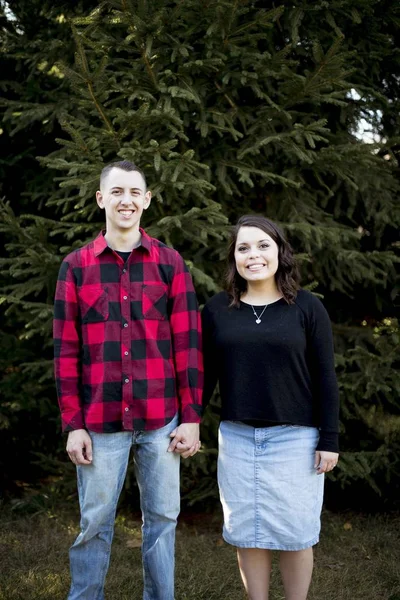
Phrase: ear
x=99 y=199
x=147 y=200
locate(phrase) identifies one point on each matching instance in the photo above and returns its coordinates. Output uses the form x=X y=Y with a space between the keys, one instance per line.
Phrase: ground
x=358 y=558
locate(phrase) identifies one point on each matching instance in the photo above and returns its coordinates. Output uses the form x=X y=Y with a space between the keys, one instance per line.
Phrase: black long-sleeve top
x=279 y=371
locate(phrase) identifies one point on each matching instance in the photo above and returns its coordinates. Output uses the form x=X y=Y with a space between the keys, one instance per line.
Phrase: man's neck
x=123 y=242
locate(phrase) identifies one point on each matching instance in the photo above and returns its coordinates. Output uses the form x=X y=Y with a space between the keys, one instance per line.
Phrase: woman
x=269 y=344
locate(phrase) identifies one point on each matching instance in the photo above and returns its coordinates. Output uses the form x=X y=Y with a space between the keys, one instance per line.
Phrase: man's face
x=123 y=196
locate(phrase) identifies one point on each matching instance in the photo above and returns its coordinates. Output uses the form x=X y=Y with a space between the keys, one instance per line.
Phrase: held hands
x=79 y=447
x=325 y=461
x=185 y=439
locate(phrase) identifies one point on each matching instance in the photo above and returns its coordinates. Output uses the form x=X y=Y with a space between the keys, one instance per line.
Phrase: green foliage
x=369 y=377
x=229 y=108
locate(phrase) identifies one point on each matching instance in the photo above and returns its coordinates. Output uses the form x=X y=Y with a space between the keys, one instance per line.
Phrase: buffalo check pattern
x=127 y=339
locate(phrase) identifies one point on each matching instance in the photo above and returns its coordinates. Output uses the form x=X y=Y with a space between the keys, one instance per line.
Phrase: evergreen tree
x=33 y=94
x=230 y=107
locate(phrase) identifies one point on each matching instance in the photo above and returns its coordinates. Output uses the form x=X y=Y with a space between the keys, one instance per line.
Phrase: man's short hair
x=125 y=165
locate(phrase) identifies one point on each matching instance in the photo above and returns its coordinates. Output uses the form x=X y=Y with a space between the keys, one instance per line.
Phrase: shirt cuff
x=71 y=422
x=191 y=413
x=328 y=441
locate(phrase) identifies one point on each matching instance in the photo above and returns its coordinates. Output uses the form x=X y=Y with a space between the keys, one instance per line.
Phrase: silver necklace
x=258 y=317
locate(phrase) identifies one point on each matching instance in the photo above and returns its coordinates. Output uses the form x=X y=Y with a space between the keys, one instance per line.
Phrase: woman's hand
x=325 y=461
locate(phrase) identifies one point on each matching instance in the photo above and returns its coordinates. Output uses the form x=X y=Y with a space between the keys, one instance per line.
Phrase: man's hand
x=79 y=447
x=185 y=439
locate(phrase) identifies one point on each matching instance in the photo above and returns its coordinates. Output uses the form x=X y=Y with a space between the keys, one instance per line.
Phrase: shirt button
x=125 y=324
x=126 y=380
x=124 y=270
x=126 y=352
x=125 y=297
x=127 y=409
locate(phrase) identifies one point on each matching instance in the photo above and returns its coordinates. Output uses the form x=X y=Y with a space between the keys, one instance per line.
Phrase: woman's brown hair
x=287 y=276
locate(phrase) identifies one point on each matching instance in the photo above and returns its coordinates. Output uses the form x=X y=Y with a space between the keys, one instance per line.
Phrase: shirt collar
x=146 y=240
x=100 y=243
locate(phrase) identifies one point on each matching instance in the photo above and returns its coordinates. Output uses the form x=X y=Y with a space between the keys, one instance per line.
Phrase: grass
x=358 y=558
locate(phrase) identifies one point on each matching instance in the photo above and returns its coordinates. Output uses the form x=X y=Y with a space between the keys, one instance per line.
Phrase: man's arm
x=188 y=358
x=67 y=345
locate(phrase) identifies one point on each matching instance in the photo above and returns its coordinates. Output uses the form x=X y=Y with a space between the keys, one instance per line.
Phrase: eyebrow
x=118 y=187
x=258 y=242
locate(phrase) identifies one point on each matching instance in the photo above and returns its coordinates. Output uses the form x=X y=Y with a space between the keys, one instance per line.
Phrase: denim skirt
x=270 y=492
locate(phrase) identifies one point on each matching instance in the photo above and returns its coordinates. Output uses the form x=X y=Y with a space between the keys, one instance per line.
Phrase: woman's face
x=256 y=255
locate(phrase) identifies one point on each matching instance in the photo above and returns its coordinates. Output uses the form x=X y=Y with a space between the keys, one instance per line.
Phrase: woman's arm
x=322 y=367
x=209 y=353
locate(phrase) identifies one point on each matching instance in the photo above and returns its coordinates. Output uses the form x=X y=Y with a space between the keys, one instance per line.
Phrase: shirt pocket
x=154 y=302
x=93 y=304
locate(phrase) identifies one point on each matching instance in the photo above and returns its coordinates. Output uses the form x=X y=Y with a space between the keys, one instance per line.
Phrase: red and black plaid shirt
x=127 y=339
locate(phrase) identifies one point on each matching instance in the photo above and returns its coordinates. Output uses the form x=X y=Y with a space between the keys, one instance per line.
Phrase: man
x=128 y=370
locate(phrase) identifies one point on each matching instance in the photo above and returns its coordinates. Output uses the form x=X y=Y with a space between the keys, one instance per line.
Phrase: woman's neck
x=264 y=293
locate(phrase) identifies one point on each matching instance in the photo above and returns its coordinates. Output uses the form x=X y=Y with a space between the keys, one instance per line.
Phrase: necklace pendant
x=258 y=317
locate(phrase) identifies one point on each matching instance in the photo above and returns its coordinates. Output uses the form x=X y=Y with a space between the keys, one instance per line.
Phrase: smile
x=256 y=267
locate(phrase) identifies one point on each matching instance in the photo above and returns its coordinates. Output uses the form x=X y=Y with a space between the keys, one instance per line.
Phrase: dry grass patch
x=358 y=559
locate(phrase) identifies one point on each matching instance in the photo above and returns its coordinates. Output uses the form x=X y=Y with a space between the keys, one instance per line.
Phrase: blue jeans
x=99 y=487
